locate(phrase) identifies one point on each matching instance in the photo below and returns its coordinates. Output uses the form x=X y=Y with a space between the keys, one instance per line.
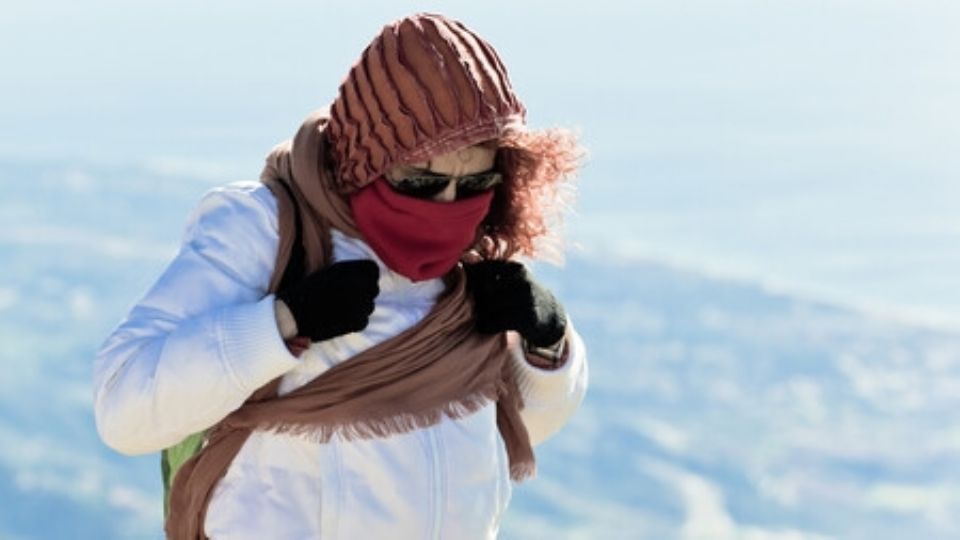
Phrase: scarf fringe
x=524 y=470
x=375 y=428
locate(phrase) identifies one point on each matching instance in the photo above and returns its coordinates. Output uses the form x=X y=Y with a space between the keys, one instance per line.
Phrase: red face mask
x=417 y=238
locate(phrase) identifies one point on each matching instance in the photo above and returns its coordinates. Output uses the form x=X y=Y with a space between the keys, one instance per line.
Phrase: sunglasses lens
x=422 y=187
x=480 y=182
x=427 y=187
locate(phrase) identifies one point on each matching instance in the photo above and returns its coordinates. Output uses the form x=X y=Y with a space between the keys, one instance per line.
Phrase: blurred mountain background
x=764 y=259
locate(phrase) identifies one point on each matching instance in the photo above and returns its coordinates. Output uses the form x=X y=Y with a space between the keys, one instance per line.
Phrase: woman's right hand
x=332 y=301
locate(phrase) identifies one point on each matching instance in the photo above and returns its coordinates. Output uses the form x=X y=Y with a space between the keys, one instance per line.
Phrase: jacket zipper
x=437 y=483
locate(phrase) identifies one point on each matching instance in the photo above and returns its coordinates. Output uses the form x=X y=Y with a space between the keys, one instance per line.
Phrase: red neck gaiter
x=417 y=238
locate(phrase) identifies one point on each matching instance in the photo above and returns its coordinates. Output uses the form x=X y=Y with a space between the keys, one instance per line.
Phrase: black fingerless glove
x=506 y=297
x=335 y=300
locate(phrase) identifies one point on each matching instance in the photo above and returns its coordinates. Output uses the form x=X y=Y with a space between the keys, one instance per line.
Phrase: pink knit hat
x=425 y=86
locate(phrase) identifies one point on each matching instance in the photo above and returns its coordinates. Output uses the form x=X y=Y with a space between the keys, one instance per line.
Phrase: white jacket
x=204 y=337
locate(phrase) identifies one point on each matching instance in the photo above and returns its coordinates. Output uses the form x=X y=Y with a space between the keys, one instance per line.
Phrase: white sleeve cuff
x=538 y=384
x=252 y=349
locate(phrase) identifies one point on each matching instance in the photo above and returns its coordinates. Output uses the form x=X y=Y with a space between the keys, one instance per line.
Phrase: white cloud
x=79 y=485
x=586 y=516
x=8 y=298
x=81 y=302
x=937 y=503
x=666 y=435
x=145 y=507
x=706 y=515
x=78 y=181
x=803 y=397
x=624 y=319
x=40 y=464
x=902 y=382
x=186 y=167
x=785 y=489
x=99 y=243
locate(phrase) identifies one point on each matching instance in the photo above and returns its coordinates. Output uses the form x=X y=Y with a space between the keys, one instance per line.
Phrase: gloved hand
x=506 y=297
x=335 y=300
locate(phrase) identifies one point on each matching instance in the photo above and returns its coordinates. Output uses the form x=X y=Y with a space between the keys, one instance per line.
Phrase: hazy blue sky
x=808 y=143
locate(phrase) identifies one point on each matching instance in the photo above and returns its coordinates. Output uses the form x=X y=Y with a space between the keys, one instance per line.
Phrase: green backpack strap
x=171 y=459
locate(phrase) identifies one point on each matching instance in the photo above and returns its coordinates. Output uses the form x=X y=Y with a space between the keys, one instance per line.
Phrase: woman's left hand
x=507 y=297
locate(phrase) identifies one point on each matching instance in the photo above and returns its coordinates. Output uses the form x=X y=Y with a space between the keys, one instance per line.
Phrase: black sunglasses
x=426 y=185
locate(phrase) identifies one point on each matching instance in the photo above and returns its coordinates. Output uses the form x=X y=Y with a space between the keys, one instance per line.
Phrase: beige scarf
x=440 y=367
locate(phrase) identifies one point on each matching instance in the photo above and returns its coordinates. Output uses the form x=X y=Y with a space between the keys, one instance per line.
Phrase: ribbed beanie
x=425 y=86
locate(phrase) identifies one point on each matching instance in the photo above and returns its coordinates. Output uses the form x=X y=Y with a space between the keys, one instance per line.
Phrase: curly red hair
x=528 y=205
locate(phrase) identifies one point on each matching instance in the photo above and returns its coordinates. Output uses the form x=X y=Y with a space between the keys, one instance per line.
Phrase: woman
x=351 y=339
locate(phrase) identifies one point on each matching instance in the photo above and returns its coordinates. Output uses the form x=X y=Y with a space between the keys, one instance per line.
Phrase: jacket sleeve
x=550 y=397
x=204 y=336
